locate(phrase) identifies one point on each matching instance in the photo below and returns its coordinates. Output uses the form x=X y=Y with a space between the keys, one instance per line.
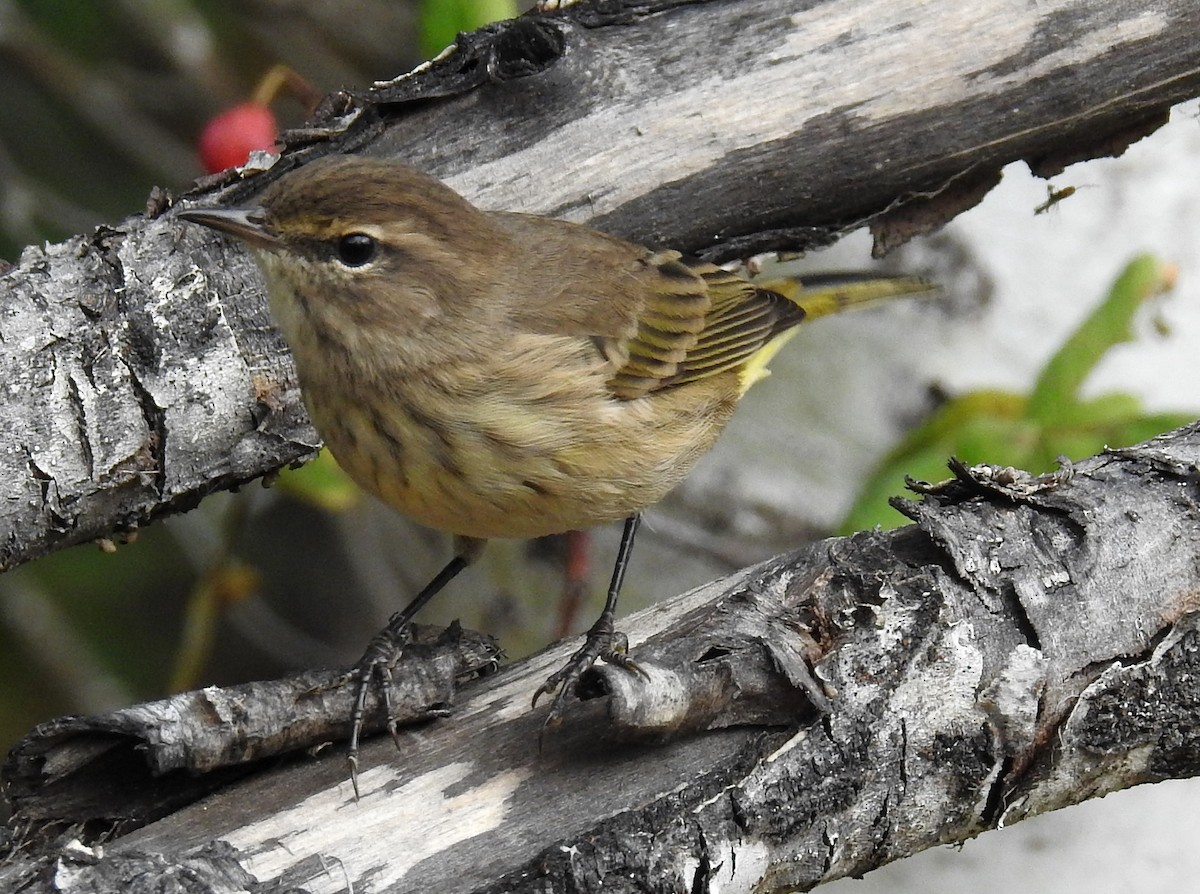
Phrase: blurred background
x=104 y=101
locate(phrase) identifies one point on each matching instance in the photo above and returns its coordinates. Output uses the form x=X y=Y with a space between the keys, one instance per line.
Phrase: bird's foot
x=603 y=642
x=374 y=670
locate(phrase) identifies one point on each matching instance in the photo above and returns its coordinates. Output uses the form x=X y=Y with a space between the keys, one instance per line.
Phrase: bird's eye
x=356 y=249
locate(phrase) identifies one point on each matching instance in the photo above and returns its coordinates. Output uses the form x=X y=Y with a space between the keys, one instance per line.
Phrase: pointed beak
x=249 y=225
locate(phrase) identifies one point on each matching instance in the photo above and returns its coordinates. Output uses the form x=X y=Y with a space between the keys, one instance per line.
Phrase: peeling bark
x=172 y=752
x=1031 y=642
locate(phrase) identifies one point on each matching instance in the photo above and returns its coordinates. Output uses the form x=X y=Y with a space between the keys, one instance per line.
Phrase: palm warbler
x=495 y=374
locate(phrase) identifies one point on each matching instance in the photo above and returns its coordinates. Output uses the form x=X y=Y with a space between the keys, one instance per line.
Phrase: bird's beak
x=247 y=224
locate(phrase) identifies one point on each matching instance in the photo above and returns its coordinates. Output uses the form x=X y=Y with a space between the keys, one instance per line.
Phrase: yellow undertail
x=824 y=294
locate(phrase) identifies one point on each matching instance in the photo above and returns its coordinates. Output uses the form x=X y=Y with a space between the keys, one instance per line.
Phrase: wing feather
x=657 y=320
x=709 y=322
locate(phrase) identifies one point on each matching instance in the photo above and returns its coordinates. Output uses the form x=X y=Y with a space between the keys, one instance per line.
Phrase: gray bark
x=1028 y=644
x=142 y=370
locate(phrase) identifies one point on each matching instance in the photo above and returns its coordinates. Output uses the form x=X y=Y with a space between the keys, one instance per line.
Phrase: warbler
x=500 y=375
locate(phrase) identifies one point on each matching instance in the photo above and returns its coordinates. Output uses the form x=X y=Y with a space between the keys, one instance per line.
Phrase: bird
x=496 y=374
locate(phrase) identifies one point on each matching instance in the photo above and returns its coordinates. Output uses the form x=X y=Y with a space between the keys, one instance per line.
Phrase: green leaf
x=1109 y=324
x=1030 y=433
x=442 y=20
x=322 y=483
x=979 y=425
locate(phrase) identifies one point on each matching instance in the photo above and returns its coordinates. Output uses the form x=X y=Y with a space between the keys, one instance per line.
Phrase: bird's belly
x=523 y=470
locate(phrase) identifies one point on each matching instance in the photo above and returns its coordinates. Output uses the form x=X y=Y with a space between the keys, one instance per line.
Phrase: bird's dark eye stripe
x=356 y=249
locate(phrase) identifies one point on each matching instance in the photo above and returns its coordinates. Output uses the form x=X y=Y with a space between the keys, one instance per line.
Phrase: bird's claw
x=602 y=643
x=374 y=669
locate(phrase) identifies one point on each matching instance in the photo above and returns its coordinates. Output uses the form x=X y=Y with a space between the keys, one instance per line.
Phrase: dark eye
x=356 y=249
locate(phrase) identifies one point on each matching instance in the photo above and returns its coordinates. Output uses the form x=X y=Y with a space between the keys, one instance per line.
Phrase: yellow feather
x=755 y=368
x=827 y=294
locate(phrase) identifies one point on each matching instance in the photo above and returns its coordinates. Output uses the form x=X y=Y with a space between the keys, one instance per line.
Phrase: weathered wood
x=143 y=372
x=174 y=751
x=1030 y=643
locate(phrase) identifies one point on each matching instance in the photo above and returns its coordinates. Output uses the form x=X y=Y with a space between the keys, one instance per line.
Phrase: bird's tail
x=822 y=294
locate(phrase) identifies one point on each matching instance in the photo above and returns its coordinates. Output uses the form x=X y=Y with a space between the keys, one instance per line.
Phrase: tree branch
x=143 y=372
x=1030 y=643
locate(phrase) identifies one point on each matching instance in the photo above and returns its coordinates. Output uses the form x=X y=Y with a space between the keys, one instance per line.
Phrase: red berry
x=230 y=137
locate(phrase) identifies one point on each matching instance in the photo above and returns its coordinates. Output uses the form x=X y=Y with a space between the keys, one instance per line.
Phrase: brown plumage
x=504 y=375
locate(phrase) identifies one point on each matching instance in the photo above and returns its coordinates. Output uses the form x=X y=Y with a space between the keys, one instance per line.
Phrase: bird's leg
x=602 y=640
x=374 y=668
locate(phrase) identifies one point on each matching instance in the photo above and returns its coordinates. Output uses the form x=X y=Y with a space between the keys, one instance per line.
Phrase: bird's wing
x=657 y=319
x=699 y=320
